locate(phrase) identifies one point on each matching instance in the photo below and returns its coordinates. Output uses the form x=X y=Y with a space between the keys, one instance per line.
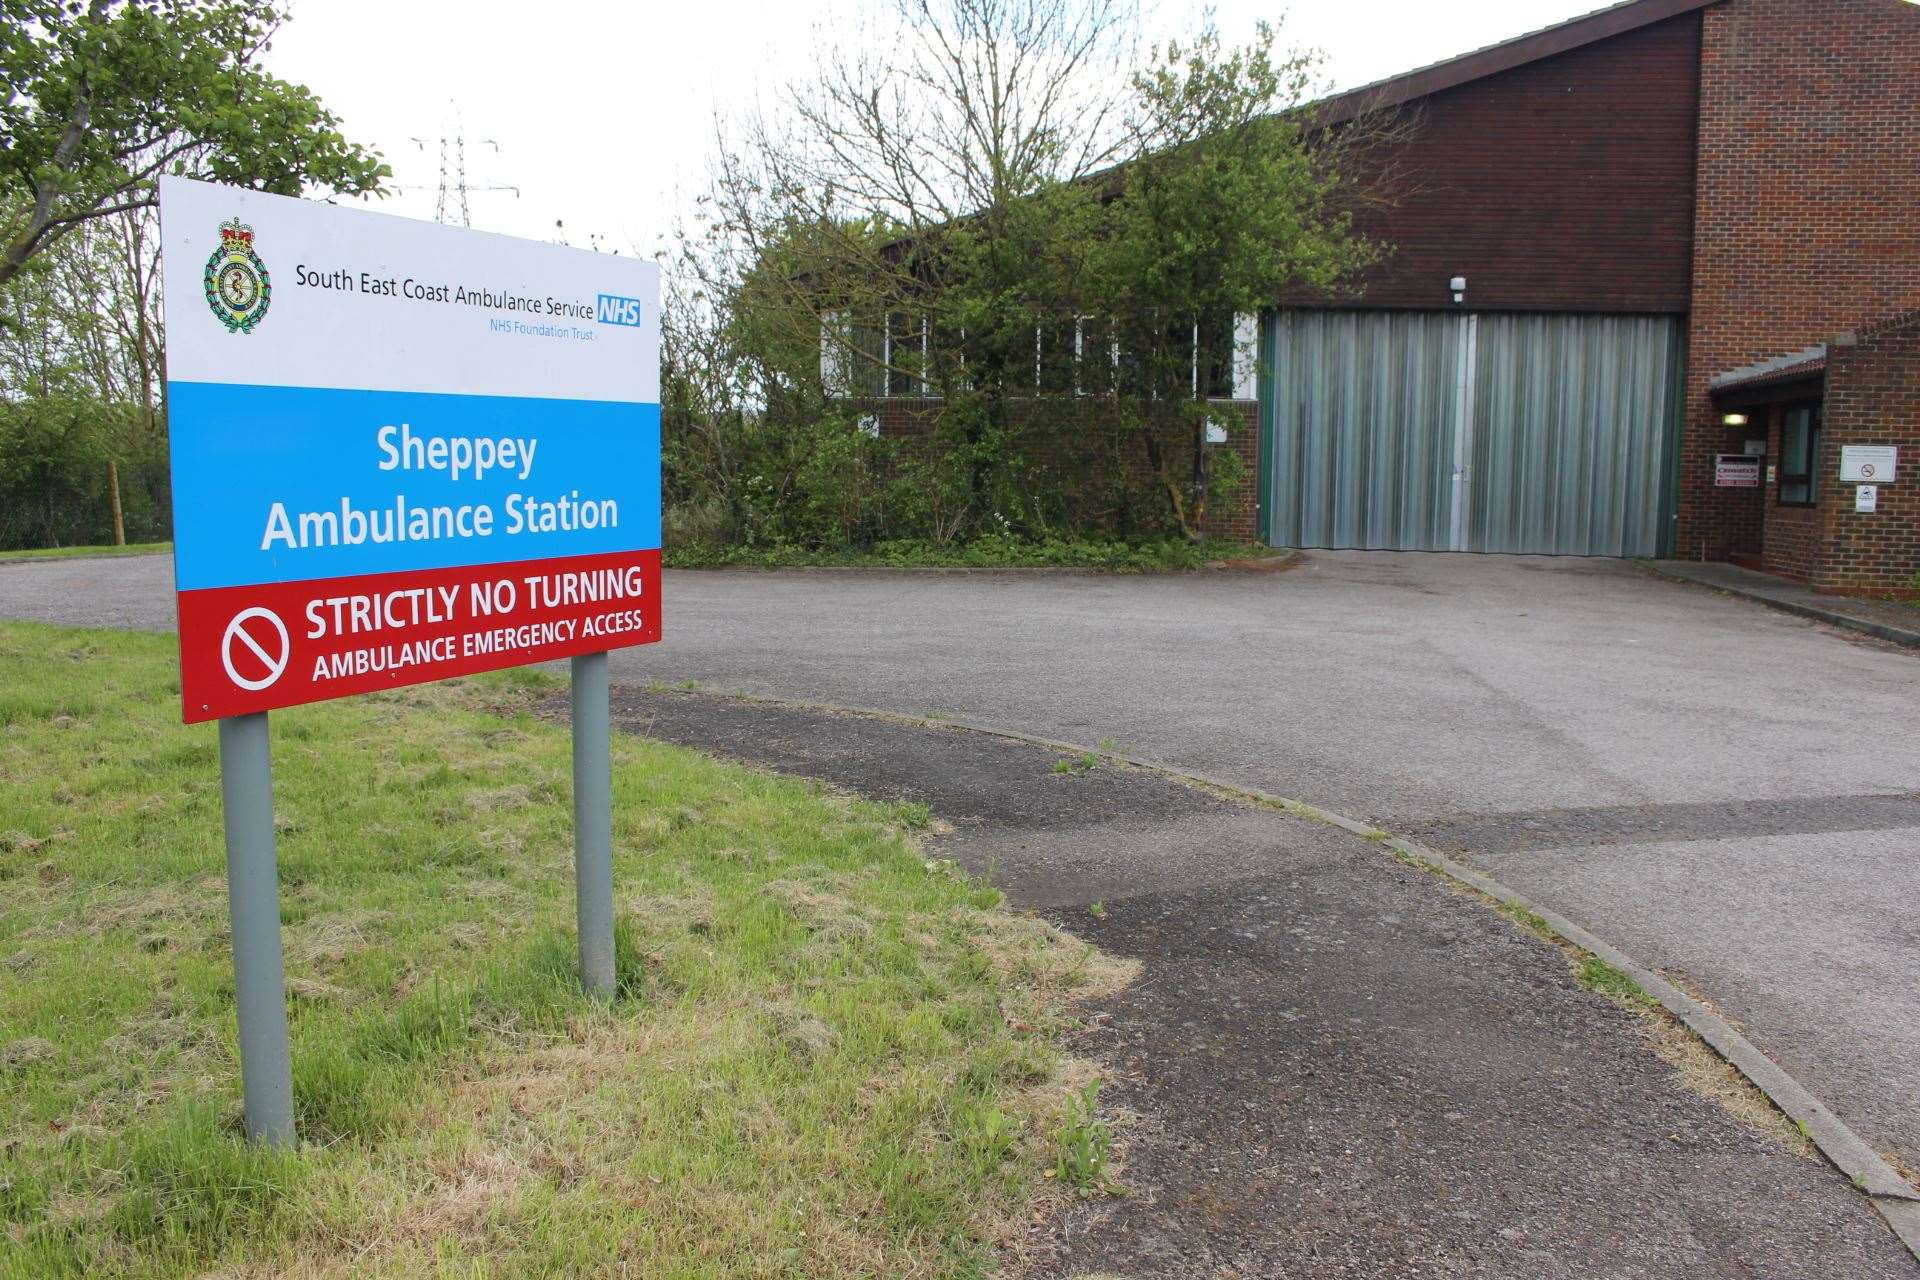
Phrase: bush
x=54 y=452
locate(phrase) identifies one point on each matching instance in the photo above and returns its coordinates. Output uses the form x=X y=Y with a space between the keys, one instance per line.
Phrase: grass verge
x=830 y=1056
x=69 y=553
x=982 y=553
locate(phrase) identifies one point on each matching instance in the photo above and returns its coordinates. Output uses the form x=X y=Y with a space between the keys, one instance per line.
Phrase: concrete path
x=1894 y=620
x=1333 y=1065
x=1725 y=791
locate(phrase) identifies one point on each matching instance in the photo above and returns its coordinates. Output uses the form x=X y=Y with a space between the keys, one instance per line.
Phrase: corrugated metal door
x=1361 y=428
x=1572 y=427
x=1433 y=431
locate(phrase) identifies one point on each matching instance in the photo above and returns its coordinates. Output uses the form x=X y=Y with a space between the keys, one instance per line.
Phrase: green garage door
x=1436 y=431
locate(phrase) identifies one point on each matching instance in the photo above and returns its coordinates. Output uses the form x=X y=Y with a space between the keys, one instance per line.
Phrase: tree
x=1064 y=218
x=100 y=100
x=84 y=321
x=921 y=176
x=1229 y=203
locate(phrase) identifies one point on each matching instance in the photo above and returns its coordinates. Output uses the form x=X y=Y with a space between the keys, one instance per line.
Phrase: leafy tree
x=1229 y=204
x=103 y=97
x=83 y=321
x=1006 y=206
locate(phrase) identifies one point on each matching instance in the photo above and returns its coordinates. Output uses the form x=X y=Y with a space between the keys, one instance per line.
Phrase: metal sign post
x=253 y=900
x=593 y=823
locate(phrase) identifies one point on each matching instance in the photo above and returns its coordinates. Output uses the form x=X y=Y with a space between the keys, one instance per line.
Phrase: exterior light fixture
x=1733 y=419
x=1458 y=285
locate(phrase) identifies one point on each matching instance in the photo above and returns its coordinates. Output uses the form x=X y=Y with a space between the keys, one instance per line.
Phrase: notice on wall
x=401 y=451
x=1736 y=471
x=1868 y=463
x=1866 y=498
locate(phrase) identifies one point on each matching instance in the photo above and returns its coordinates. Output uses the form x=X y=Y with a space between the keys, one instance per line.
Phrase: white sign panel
x=1736 y=471
x=1866 y=498
x=1868 y=463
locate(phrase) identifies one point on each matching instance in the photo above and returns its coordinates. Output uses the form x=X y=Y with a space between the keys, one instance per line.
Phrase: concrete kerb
x=1866 y=626
x=1896 y=1200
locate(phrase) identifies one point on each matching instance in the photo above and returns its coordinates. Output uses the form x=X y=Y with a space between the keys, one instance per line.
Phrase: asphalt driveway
x=1731 y=794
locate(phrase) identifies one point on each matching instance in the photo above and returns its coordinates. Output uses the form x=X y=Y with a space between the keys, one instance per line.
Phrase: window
x=906 y=354
x=1213 y=357
x=1056 y=349
x=868 y=338
x=1799 y=455
x=1095 y=371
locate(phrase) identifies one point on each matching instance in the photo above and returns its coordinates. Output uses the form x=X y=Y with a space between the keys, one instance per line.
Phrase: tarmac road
x=1729 y=793
x=1331 y=1067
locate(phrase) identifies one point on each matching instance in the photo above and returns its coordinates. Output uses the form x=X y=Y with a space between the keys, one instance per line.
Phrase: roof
x=1791 y=367
x=1808 y=362
x=1602 y=24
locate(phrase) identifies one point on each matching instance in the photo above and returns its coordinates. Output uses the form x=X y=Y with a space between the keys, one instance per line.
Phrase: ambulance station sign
x=401 y=451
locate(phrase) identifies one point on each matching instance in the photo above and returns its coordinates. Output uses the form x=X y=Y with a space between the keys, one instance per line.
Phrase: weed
x=1083 y=1142
x=1528 y=919
x=913 y=815
x=1098 y=911
x=1085 y=762
x=1596 y=974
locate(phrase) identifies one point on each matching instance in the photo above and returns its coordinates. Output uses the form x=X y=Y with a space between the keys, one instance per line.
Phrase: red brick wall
x=1873 y=397
x=911 y=417
x=1807 y=216
x=1565 y=184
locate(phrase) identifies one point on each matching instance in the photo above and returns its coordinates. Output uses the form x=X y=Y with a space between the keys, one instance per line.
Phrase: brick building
x=1659 y=269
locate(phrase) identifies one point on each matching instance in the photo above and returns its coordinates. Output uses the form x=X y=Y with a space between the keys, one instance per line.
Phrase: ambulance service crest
x=238 y=287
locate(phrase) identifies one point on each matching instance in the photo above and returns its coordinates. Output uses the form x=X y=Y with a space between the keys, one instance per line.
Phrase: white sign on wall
x=1868 y=463
x=1736 y=471
x=1866 y=498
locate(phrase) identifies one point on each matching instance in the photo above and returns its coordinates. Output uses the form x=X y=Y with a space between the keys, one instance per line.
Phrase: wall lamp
x=1458 y=287
x=1733 y=419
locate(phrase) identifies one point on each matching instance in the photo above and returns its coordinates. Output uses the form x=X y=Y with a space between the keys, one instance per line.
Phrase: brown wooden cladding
x=1562 y=185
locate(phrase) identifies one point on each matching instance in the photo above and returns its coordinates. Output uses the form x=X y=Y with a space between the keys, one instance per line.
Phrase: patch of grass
x=65 y=553
x=1171 y=554
x=829 y=1056
x=1085 y=762
x=1532 y=921
x=1596 y=974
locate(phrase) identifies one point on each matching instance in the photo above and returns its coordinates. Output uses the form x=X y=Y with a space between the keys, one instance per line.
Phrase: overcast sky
x=602 y=109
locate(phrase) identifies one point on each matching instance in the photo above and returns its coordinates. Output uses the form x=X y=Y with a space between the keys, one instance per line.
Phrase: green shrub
x=54 y=452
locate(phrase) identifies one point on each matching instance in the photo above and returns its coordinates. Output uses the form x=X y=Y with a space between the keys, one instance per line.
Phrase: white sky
x=603 y=109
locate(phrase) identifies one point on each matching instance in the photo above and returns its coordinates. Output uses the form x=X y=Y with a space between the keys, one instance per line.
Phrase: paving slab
x=1332 y=1065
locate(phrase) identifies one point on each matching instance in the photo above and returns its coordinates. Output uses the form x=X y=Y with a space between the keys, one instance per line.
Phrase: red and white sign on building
x=1736 y=471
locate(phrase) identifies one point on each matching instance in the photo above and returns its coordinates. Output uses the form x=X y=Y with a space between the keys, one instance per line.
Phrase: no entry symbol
x=255 y=648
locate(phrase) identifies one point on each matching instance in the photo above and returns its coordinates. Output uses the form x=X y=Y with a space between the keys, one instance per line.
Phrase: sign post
x=401 y=452
x=253 y=902
x=593 y=823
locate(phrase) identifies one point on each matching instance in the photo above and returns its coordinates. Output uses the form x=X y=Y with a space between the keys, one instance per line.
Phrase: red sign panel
x=279 y=644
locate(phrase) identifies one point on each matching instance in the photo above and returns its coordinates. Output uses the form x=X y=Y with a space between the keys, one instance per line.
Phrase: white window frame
x=886 y=359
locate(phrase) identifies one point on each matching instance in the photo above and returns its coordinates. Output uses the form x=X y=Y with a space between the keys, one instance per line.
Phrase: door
x=1434 y=431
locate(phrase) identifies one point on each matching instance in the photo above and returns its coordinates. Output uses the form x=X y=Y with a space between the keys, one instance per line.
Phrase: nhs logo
x=614 y=309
